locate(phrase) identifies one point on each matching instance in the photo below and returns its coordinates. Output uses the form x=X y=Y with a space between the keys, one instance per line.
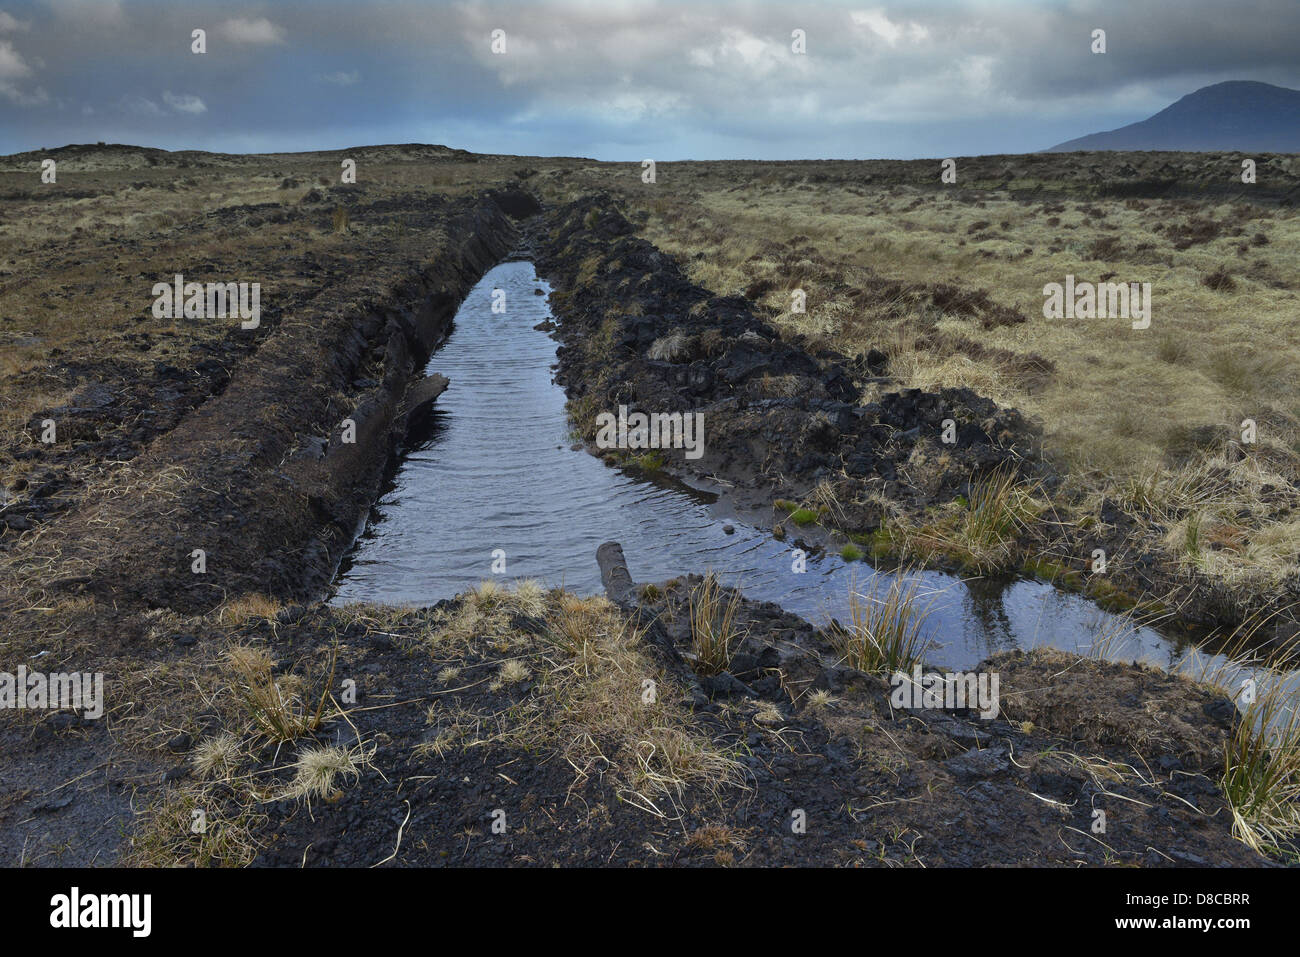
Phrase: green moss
x=1053 y=572
x=1043 y=568
x=1108 y=596
x=785 y=505
x=803 y=516
x=851 y=553
x=646 y=461
x=882 y=543
x=582 y=415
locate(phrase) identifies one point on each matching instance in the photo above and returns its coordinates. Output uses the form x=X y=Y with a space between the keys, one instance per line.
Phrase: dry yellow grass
x=239 y=610
x=1103 y=365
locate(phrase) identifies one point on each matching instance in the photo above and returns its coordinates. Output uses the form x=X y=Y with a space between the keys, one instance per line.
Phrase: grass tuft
x=886 y=628
x=803 y=516
x=276 y=707
x=714 y=633
x=1261 y=778
x=319 y=768
x=217 y=757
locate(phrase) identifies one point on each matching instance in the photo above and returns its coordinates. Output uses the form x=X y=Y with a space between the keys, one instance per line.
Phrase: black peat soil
x=875 y=785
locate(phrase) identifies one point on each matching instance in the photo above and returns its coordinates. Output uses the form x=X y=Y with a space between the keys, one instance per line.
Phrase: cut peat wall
x=258 y=477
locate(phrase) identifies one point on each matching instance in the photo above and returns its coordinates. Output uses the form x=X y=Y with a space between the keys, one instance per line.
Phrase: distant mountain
x=1237 y=115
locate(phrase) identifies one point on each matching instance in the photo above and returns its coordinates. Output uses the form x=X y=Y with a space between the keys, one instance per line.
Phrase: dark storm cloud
x=620 y=79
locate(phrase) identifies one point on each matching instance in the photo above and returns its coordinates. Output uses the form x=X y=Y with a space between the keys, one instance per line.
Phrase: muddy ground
x=175 y=438
x=826 y=771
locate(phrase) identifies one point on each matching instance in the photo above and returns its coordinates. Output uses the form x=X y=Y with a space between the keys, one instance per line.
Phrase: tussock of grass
x=246 y=608
x=1261 y=778
x=820 y=700
x=514 y=671
x=714 y=632
x=1166 y=493
x=576 y=623
x=591 y=705
x=992 y=509
x=1261 y=770
x=886 y=628
x=803 y=516
x=983 y=533
x=217 y=757
x=488 y=594
x=319 y=768
x=530 y=597
x=670 y=348
x=275 y=705
x=1172 y=348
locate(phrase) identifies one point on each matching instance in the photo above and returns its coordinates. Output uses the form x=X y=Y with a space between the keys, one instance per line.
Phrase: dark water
x=496 y=471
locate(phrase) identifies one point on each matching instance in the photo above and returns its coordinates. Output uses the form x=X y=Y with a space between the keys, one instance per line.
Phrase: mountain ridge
x=1236 y=115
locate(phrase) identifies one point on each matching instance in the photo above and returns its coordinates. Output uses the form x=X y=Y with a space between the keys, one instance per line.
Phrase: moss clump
x=1043 y=568
x=1053 y=572
x=582 y=415
x=803 y=516
x=851 y=553
x=1108 y=596
x=882 y=543
x=646 y=461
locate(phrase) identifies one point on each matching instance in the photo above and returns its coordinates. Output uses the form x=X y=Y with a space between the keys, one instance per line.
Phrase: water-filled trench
x=494 y=477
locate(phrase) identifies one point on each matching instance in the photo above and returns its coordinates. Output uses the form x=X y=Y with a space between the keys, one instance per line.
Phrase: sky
x=621 y=79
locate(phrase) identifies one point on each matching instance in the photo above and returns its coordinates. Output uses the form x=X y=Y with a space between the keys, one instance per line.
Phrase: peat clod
x=421 y=397
x=619 y=587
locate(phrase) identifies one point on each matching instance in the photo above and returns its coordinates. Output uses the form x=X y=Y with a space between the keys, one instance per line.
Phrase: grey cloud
x=613 y=78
